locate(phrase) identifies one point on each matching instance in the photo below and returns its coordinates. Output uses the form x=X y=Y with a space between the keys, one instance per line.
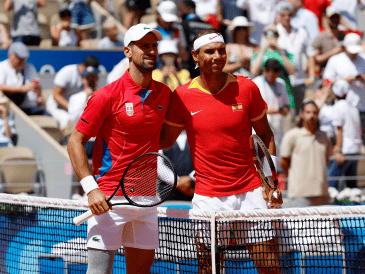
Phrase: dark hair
x=189 y=3
x=91 y=61
x=302 y=106
x=273 y=64
x=64 y=13
x=205 y=32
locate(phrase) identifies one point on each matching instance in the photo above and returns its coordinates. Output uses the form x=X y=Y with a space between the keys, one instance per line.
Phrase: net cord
x=264 y=214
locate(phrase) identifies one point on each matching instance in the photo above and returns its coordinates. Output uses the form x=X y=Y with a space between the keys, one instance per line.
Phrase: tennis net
x=38 y=236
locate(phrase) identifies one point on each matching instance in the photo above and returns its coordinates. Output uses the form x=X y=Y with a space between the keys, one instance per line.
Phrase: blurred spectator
x=226 y=11
x=7 y=123
x=241 y=50
x=61 y=33
x=135 y=10
x=4 y=37
x=19 y=80
x=166 y=24
x=324 y=99
x=82 y=19
x=180 y=156
x=109 y=6
x=261 y=13
x=207 y=11
x=110 y=41
x=191 y=25
x=348 y=10
x=170 y=74
x=118 y=70
x=271 y=50
x=273 y=91
x=350 y=66
x=328 y=42
x=66 y=83
x=318 y=8
x=78 y=101
x=305 y=152
x=296 y=41
x=25 y=27
x=303 y=18
x=348 y=138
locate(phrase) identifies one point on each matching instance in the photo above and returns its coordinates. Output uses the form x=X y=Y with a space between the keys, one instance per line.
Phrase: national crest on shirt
x=129 y=109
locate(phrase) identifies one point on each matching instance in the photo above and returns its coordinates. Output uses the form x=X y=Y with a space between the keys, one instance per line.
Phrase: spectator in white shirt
x=78 y=101
x=350 y=66
x=348 y=138
x=110 y=41
x=296 y=41
x=7 y=124
x=62 y=35
x=19 y=80
x=303 y=18
x=273 y=91
x=261 y=13
x=66 y=83
x=348 y=10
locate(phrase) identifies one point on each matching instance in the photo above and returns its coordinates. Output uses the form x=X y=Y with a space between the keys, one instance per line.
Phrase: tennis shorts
x=127 y=226
x=82 y=16
x=233 y=231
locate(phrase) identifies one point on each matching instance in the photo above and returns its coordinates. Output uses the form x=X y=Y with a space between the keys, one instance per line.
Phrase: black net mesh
x=38 y=239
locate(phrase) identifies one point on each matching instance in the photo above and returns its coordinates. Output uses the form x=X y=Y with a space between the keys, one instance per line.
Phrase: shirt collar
x=133 y=86
x=194 y=83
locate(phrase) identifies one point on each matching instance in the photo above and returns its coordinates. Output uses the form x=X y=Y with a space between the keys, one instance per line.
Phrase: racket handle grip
x=83 y=217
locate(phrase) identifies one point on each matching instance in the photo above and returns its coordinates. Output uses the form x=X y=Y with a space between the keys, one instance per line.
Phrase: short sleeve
x=2 y=74
x=98 y=108
x=338 y=117
x=174 y=115
x=287 y=144
x=258 y=105
x=330 y=71
x=62 y=77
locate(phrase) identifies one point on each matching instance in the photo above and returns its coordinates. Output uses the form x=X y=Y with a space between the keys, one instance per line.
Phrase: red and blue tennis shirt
x=126 y=120
x=218 y=128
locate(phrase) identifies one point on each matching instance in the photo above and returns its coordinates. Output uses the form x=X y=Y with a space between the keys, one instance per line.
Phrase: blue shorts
x=82 y=16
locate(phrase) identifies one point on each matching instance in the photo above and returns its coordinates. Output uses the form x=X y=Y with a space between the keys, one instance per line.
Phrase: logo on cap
x=146 y=28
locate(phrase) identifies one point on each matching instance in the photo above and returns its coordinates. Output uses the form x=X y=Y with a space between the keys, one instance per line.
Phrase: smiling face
x=143 y=53
x=211 y=58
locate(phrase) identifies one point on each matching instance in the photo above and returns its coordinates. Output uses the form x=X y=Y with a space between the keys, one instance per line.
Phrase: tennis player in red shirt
x=218 y=111
x=126 y=117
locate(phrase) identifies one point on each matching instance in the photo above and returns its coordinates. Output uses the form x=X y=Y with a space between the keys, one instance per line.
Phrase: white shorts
x=238 y=232
x=126 y=225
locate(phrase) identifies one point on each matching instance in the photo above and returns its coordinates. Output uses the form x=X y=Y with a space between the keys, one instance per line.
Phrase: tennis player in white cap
x=126 y=117
x=218 y=111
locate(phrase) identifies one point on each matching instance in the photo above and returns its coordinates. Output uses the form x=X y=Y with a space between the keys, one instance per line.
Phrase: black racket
x=264 y=165
x=148 y=180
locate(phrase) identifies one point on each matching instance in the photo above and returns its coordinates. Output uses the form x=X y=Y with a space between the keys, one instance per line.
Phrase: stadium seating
x=19 y=171
x=49 y=124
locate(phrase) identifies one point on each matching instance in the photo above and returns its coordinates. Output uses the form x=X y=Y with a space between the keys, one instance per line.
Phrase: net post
x=213 y=241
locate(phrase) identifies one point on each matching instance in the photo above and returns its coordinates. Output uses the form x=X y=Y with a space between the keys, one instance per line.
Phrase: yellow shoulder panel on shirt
x=194 y=83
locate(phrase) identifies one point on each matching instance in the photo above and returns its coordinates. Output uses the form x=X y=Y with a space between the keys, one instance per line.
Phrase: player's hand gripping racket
x=148 y=180
x=264 y=165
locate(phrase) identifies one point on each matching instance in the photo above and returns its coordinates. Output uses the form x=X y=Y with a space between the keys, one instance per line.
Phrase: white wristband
x=88 y=184
x=267 y=169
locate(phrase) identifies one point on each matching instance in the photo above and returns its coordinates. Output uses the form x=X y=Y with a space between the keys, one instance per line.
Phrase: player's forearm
x=61 y=101
x=78 y=157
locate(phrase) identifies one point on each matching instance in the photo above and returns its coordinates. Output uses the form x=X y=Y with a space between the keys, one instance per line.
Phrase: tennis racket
x=264 y=165
x=148 y=180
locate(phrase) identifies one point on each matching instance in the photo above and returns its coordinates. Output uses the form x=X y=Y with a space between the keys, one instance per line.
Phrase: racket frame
x=267 y=155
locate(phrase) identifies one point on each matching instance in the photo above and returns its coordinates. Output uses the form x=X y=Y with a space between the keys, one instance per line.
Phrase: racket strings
x=263 y=164
x=149 y=180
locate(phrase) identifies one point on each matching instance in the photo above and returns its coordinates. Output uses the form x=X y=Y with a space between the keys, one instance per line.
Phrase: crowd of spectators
x=296 y=51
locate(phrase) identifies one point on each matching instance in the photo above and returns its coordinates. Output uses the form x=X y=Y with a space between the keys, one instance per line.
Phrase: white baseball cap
x=168 y=46
x=340 y=87
x=239 y=21
x=352 y=43
x=331 y=10
x=168 y=11
x=137 y=32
